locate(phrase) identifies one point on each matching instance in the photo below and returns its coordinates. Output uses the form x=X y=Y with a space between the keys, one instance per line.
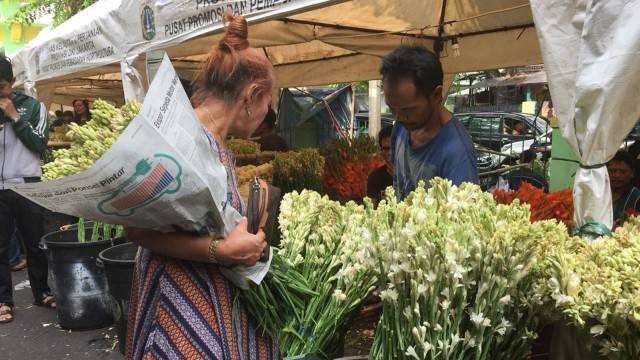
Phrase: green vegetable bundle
x=90 y=140
x=99 y=231
x=243 y=147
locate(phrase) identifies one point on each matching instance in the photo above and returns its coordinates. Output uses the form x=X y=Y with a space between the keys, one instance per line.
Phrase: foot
x=6 y=314
x=19 y=265
x=47 y=300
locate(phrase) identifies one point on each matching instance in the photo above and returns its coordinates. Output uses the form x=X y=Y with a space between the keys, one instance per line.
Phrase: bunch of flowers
x=243 y=147
x=597 y=288
x=298 y=170
x=460 y=275
x=348 y=164
x=322 y=271
x=544 y=206
x=248 y=172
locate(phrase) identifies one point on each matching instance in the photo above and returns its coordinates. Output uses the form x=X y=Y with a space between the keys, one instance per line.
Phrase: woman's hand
x=240 y=246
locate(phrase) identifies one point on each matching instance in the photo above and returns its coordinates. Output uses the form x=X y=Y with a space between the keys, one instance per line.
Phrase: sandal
x=4 y=313
x=47 y=300
x=19 y=265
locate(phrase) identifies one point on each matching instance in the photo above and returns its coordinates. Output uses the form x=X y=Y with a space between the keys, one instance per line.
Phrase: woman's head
x=81 y=107
x=238 y=75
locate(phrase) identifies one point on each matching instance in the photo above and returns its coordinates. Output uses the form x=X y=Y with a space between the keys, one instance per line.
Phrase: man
x=426 y=141
x=382 y=177
x=267 y=138
x=66 y=118
x=527 y=174
x=23 y=138
x=518 y=128
x=625 y=196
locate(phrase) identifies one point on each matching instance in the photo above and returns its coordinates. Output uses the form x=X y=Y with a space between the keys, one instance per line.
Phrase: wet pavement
x=35 y=334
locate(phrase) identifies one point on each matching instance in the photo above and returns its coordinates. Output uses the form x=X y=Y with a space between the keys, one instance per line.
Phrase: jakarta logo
x=148 y=23
x=151 y=180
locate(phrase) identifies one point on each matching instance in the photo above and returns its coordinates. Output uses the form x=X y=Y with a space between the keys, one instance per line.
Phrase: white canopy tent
x=591 y=51
x=310 y=42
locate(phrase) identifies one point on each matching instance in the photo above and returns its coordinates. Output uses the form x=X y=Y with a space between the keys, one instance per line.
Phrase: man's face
x=410 y=107
x=620 y=175
x=385 y=148
x=5 y=88
x=262 y=130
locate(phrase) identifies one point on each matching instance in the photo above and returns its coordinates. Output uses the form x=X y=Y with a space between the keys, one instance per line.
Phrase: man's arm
x=33 y=129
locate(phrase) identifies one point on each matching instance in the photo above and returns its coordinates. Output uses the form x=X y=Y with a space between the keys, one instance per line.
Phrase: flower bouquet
x=544 y=206
x=321 y=273
x=597 y=288
x=348 y=164
x=460 y=274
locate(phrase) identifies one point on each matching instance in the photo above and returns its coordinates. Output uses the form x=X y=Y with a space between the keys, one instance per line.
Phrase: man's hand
x=6 y=105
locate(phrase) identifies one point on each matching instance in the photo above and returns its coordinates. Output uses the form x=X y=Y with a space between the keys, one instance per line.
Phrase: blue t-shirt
x=450 y=155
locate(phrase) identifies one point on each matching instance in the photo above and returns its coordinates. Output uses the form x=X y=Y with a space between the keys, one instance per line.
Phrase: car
x=507 y=133
x=361 y=122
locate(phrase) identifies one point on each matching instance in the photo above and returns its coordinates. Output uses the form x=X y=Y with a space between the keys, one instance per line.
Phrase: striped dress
x=186 y=310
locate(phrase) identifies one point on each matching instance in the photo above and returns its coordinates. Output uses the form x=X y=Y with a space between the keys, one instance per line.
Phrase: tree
x=61 y=10
x=361 y=86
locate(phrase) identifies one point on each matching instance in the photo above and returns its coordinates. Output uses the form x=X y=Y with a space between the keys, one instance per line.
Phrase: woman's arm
x=180 y=245
x=240 y=247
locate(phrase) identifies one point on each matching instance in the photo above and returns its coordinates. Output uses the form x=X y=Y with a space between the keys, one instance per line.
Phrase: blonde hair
x=232 y=65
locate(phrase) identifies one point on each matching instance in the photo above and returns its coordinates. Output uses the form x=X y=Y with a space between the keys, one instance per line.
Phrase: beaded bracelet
x=213 y=246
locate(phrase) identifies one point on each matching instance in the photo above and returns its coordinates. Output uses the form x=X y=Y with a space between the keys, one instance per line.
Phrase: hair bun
x=236 y=35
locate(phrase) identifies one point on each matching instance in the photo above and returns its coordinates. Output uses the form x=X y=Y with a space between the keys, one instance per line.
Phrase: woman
x=181 y=305
x=82 y=112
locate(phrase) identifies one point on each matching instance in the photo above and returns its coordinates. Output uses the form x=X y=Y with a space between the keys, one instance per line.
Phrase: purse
x=262 y=209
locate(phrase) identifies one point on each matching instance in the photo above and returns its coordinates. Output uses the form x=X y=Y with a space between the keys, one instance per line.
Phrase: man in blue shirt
x=426 y=141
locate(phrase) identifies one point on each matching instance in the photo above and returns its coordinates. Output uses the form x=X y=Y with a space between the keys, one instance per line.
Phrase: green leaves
x=62 y=10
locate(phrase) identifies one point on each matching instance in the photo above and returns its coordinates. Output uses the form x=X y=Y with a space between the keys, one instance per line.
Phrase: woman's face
x=78 y=107
x=252 y=115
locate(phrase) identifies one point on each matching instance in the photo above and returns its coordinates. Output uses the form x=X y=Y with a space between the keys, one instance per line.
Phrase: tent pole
x=374 y=107
x=353 y=109
x=438 y=45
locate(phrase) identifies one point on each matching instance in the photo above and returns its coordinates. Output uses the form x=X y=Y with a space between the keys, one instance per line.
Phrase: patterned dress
x=186 y=310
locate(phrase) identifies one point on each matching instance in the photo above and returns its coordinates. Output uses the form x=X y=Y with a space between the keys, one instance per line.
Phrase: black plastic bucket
x=53 y=220
x=118 y=263
x=80 y=286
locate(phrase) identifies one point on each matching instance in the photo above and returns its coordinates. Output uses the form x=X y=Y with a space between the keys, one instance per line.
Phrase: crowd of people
x=81 y=113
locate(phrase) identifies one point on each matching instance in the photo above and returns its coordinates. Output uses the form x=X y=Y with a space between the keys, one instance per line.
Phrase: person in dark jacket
x=267 y=137
x=625 y=196
x=527 y=174
x=23 y=139
x=382 y=177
